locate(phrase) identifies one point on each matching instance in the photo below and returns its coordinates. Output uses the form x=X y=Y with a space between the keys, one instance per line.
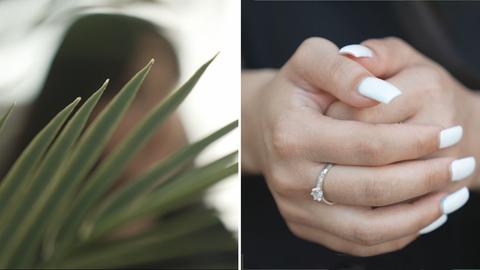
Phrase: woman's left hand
x=431 y=96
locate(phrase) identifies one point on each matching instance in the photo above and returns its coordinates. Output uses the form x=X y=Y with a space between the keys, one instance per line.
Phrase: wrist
x=252 y=84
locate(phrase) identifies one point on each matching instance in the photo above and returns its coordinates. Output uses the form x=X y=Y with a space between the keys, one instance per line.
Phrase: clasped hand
x=399 y=128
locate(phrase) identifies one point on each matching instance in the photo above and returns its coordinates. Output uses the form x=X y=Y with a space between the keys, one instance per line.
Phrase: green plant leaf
x=188 y=245
x=5 y=117
x=17 y=178
x=114 y=253
x=170 y=196
x=159 y=173
x=35 y=207
x=113 y=165
x=87 y=152
x=53 y=195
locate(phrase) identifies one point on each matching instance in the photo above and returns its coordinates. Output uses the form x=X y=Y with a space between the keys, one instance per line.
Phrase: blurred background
x=54 y=50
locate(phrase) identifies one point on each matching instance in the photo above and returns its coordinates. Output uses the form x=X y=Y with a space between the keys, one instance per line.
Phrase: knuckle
x=282 y=184
x=433 y=86
x=370 y=115
x=297 y=230
x=401 y=244
x=361 y=251
x=435 y=177
x=365 y=234
x=337 y=70
x=375 y=192
x=431 y=179
x=389 y=44
x=423 y=142
x=398 y=42
x=291 y=216
x=309 y=47
x=369 y=151
x=313 y=43
x=379 y=45
x=420 y=144
x=345 y=74
x=283 y=142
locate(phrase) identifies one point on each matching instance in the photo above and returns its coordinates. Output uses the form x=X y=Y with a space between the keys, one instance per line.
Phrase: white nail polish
x=454 y=201
x=462 y=168
x=434 y=225
x=378 y=89
x=356 y=50
x=450 y=136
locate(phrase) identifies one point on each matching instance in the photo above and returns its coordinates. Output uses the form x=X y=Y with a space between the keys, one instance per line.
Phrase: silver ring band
x=317 y=192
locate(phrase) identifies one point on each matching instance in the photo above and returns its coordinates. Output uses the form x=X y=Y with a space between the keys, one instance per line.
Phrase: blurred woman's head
x=97 y=47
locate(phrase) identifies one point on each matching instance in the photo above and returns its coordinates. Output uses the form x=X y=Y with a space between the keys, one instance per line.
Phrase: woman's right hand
x=286 y=136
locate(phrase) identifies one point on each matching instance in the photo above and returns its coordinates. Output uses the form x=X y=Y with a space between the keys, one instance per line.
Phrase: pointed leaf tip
x=146 y=69
x=213 y=58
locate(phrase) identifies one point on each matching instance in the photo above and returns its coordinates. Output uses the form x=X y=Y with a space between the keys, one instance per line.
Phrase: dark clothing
x=444 y=31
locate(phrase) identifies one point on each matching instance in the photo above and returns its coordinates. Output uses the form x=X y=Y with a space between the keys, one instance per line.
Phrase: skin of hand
x=287 y=137
x=430 y=95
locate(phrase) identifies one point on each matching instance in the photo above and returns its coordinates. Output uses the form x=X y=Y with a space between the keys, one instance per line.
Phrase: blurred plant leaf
x=87 y=152
x=28 y=221
x=112 y=167
x=5 y=117
x=122 y=251
x=51 y=214
x=171 y=196
x=159 y=173
x=28 y=160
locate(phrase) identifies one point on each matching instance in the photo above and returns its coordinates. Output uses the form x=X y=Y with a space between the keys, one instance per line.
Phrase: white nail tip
x=356 y=50
x=450 y=136
x=462 y=168
x=454 y=201
x=434 y=225
x=378 y=89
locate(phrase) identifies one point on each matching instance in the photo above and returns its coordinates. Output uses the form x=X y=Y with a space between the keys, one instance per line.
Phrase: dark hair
x=95 y=47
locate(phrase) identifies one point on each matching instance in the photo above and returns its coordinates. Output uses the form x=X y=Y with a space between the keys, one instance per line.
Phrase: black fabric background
x=271 y=31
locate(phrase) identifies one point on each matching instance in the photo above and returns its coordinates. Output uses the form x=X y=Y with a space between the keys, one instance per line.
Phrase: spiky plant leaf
x=171 y=196
x=87 y=152
x=45 y=184
x=28 y=161
x=4 y=118
x=113 y=165
x=151 y=242
x=159 y=173
x=42 y=195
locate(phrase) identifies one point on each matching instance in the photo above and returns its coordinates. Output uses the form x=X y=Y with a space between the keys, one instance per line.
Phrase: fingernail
x=450 y=136
x=356 y=50
x=378 y=90
x=462 y=168
x=434 y=225
x=454 y=201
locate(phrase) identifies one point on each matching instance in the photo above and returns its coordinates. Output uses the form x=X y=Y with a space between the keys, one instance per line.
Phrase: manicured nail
x=434 y=225
x=378 y=89
x=462 y=168
x=356 y=50
x=454 y=201
x=450 y=136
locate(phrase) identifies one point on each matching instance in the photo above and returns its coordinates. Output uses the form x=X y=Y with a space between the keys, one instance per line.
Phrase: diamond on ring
x=317 y=194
